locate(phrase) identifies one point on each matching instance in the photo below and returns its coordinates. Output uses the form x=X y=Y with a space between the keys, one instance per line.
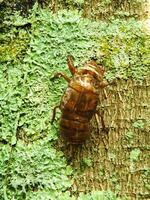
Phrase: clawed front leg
x=60 y=74
x=54 y=113
x=71 y=66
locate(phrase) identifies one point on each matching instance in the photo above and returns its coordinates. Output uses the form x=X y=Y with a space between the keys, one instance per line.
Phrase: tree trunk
x=147 y=20
x=95 y=9
x=117 y=161
x=100 y=9
x=104 y=9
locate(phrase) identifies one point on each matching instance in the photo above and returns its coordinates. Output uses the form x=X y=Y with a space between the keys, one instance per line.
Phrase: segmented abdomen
x=78 y=107
x=74 y=132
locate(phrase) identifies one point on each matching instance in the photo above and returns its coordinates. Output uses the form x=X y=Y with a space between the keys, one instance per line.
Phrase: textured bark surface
x=146 y=22
x=95 y=9
x=100 y=9
x=118 y=161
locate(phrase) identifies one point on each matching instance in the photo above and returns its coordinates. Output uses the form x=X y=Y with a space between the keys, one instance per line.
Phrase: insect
x=79 y=102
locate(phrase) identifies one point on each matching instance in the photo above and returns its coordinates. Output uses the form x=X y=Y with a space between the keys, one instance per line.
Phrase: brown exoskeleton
x=79 y=102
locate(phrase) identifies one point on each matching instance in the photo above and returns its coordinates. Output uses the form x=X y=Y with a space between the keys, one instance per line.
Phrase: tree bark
x=100 y=9
x=118 y=161
x=95 y=9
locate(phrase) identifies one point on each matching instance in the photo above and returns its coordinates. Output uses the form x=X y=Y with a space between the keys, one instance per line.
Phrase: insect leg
x=60 y=74
x=54 y=113
x=104 y=140
x=71 y=66
x=101 y=115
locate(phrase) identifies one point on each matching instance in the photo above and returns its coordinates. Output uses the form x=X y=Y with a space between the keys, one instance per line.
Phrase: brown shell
x=78 y=105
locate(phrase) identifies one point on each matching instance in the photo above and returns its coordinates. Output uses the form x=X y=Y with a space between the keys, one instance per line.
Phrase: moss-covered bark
x=96 y=9
x=105 y=9
x=118 y=161
x=100 y=9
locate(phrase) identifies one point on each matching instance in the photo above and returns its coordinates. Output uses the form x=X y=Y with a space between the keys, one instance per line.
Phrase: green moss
x=124 y=50
x=139 y=124
x=14 y=40
x=86 y=162
x=99 y=195
x=134 y=155
x=32 y=167
x=129 y=135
